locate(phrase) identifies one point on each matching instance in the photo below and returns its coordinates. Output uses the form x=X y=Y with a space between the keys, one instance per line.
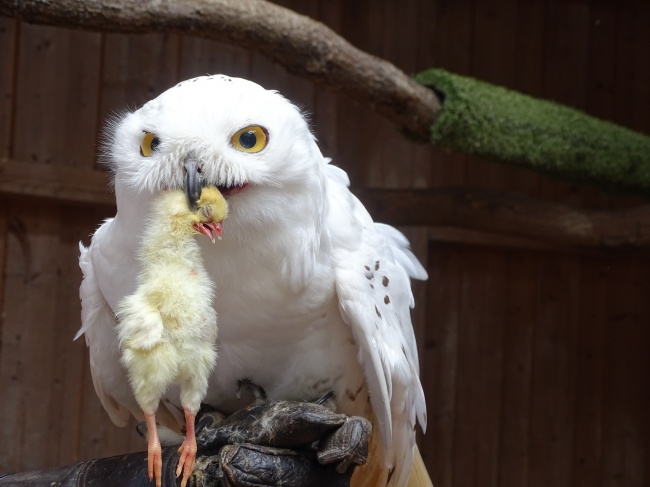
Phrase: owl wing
x=373 y=269
x=98 y=324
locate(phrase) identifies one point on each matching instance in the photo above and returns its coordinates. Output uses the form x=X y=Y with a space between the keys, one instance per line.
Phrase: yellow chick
x=167 y=328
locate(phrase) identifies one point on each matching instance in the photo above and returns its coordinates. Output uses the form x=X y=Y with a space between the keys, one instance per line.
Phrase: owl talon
x=347 y=445
x=258 y=391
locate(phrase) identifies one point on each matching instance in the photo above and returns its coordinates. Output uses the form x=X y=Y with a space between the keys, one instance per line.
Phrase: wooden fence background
x=535 y=359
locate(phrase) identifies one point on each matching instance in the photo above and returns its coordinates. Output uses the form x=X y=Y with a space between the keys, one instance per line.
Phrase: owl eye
x=250 y=139
x=149 y=144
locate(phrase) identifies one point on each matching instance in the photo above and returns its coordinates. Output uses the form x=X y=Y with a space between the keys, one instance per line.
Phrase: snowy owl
x=312 y=296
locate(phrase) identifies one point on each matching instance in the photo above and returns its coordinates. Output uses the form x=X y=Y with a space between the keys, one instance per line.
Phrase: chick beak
x=193 y=182
x=210 y=229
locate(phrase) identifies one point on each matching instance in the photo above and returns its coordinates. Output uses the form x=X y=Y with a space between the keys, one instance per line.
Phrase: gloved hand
x=288 y=443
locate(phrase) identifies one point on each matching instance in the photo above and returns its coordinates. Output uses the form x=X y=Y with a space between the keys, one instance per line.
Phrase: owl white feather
x=313 y=295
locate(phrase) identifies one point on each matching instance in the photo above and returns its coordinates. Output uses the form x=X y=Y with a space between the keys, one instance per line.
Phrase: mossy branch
x=502 y=125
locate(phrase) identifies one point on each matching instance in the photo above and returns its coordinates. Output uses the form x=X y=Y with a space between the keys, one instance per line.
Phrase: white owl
x=312 y=296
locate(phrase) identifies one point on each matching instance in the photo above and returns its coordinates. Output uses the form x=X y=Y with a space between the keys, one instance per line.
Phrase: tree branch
x=302 y=45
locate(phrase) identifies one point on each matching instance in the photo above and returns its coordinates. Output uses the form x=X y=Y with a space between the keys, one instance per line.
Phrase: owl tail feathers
x=374 y=474
x=419 y=476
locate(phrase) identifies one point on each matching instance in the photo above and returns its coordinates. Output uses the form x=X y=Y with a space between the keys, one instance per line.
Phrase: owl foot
x=258 y=391
x=347 y=445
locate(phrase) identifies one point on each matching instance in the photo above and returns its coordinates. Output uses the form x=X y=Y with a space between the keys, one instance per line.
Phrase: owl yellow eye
x=250 y=139
x=148 y=144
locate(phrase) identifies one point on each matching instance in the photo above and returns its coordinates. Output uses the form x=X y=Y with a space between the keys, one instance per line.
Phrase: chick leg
x=187 y=449
x=154 y=451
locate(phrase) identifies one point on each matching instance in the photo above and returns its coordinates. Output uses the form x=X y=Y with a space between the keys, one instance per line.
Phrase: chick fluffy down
x=168 y=326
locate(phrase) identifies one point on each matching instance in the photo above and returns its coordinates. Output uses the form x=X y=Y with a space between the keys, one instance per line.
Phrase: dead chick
x=168 y=327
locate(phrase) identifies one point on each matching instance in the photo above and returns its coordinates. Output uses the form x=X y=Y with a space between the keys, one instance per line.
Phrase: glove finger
x=255 y=466
x=283 y=424
x=347 y=445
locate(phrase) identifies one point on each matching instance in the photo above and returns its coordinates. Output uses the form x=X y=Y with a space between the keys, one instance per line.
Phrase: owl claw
x=258 y=391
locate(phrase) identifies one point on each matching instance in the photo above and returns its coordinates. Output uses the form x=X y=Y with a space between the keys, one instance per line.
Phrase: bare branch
x=302 y=45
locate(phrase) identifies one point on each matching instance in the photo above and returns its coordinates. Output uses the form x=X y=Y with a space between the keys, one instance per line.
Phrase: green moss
x=499 y=124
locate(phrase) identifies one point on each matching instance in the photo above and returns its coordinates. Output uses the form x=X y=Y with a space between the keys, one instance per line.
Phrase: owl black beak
x=193 y=182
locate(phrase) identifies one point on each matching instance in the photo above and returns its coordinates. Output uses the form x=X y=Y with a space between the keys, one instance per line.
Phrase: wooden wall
x=534 y=359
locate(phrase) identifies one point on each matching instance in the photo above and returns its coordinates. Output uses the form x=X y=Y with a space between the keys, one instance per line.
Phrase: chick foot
x=187 y=450
x=154 y=451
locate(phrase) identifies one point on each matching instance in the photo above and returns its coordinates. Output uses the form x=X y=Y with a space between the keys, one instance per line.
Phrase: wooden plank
x=626 y=391
x=274 y=76
x=530 y=30
x=199 y=57
x=603 y=60
x=601 y=84
x=361 y=25
x=566 y=62
x=98 y=436
x=8 y=46
x=492 y=59
x=424 y=25
x=448 y=36
x=28 y=357
x=480 y=376
x=553 y=399
x=5 y=339
x=590 y=352
x=527 y=76
x=394 y=154
x=68 y=379
x=440 y=360
x=48 y=109
x=136 y=69
x=58 y=183
x=520 y=292
x=326 y=104
x=56 y=91
x=632 y=71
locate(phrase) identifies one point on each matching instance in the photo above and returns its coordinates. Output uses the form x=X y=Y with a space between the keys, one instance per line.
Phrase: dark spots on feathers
x=353 y=395
x=390 y=475
x=377 y=311
x=386 y=299
x=367 y=268
x=385 y=281
x=377 y=265
x=318 y=385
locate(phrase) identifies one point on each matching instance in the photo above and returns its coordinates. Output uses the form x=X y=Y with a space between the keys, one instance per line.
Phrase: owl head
x=251 y=143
